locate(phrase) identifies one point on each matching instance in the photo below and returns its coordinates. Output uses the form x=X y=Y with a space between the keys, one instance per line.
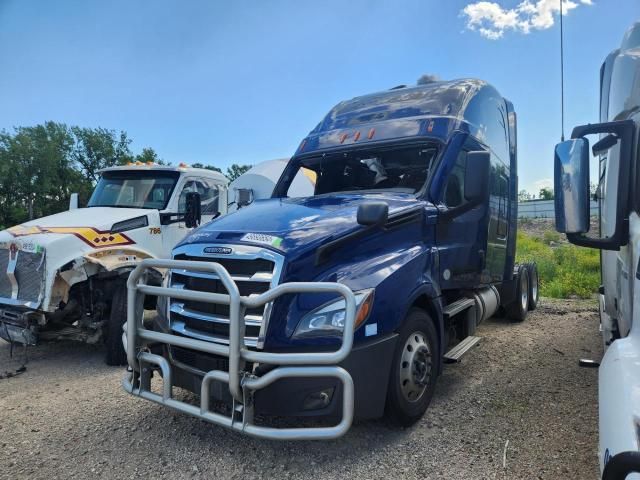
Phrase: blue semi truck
x=347 y=302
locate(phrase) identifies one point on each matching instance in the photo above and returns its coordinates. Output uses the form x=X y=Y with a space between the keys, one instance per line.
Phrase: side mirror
x=571 y=186
x=476 y=177
x=373 y=213
x=192 y=214
x=73 y=201
x=244 y=197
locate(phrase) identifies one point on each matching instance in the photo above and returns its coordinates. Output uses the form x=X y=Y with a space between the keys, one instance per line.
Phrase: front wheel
x=414 y=371
x=113 y=339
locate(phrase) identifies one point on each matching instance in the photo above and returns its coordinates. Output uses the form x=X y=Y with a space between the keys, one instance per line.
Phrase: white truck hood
x=83 y=229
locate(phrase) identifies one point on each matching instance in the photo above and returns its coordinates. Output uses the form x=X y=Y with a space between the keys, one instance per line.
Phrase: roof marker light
x=356 y=137
x=183 y=165
x=371 y=133
x=138 y=163
x=343 y=137
x=430 y=126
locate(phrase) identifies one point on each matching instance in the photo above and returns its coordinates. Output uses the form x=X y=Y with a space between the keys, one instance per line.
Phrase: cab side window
x=454 y=188
x=189 y=186
x=209 y=197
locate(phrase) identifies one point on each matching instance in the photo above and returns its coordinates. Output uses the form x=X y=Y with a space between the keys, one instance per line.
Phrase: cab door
x=461 y=238
x=172 y=227
x=211 y=198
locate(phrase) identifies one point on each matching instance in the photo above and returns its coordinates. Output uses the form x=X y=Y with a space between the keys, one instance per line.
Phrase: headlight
x=328 y=320
x=130 y=224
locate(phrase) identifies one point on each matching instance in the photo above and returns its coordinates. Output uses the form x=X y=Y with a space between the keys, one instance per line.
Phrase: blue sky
x=241 y=82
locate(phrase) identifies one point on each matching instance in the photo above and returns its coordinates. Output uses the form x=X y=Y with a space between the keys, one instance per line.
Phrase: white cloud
x=491 y=20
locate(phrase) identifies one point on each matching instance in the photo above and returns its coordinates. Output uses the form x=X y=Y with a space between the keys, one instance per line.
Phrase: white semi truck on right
x=616 y=147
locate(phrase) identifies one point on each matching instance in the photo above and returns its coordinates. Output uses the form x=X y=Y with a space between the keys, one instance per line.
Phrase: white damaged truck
x=64 y=276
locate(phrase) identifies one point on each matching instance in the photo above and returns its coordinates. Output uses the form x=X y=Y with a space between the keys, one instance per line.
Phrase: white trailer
x=258 y=183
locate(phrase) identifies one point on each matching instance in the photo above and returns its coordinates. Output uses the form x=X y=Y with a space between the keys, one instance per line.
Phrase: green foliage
x=551 y=236
x=564 y=271
x=208 y=167
x=149 y=155
x=97 y=148
x=41 y=166
x=546 y=193
x=235 y=170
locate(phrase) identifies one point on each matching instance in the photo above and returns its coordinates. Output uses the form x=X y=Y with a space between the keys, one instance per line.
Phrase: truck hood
x=290 y=224
x=88 y=227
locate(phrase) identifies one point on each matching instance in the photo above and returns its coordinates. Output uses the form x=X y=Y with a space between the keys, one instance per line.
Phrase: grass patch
x=564 y=271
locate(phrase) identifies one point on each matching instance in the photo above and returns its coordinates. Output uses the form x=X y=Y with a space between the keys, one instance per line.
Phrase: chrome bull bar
x=242 y=384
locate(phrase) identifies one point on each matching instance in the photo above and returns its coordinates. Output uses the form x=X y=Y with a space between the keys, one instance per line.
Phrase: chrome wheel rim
x=524 y=290
x=534 y=284
x=415 y=367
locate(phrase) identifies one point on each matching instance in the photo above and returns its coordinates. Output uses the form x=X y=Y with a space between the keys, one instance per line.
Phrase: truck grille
x=29 y=274
x=254 y=270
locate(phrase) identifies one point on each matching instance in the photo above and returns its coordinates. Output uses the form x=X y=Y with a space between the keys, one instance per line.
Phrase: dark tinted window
x=391 y=169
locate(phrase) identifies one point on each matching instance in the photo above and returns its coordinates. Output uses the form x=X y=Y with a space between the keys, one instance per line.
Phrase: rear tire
x=517 y=310
x=115 y=354
x=534 y=291
x=414 y=369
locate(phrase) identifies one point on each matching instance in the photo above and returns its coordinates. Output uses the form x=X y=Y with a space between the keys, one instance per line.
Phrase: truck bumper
x=368 y=365
x=15 y=328
x=278 y=374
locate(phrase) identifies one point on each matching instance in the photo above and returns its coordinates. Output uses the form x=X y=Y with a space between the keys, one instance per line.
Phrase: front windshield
x=397 y=169
x=134 y=189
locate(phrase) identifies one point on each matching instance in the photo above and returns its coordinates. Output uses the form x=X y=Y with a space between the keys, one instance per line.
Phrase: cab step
x=455 y=354
x=458 y=306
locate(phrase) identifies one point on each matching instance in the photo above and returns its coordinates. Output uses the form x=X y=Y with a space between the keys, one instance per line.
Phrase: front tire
x=115 y=354
x=414 y=371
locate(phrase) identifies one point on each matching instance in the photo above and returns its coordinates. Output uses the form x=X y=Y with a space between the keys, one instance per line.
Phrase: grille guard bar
x=241 y=384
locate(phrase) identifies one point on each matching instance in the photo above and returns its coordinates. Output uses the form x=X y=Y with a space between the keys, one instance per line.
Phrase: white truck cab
x=63 y=276
x=617 y=150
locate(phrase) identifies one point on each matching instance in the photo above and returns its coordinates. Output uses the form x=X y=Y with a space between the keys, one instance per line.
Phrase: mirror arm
x=447 y=213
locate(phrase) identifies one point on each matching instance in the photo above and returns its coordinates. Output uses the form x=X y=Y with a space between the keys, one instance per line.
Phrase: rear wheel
x=533 y=285
x=517 y=310
x=115 y=354
x=414 y=371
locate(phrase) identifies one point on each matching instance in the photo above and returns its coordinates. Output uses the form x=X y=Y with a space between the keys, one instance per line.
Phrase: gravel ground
x=67 y=417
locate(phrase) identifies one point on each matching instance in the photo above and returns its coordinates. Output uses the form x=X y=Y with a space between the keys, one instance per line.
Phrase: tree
x=546 y=193
x=37 y=175
x=148 y=155
x=41 y=166
x=235 y=170
x=524 y=196
x=208 y=167
x=98 y=148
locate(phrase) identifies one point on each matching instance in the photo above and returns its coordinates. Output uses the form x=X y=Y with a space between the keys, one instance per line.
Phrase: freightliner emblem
x=219 y=250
